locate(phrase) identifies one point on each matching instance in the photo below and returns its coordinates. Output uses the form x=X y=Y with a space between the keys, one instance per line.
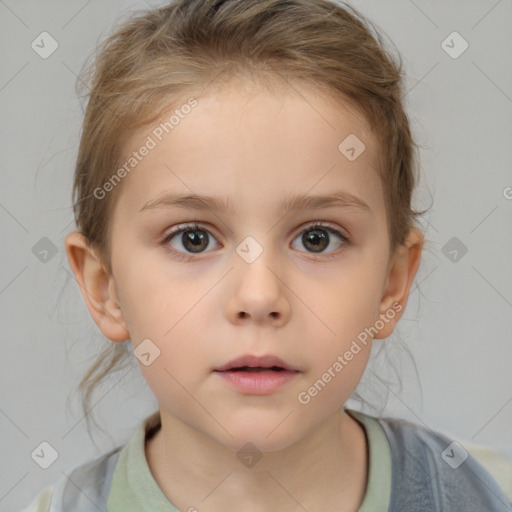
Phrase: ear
x=401 y=272
x=97 y=286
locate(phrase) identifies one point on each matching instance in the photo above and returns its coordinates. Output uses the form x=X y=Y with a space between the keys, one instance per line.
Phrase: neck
x=326 y=470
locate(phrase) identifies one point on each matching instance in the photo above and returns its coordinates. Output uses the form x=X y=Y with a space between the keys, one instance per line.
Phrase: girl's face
x=255 y=277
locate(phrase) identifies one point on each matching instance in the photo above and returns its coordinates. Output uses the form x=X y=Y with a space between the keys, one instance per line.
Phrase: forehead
x=246 y=143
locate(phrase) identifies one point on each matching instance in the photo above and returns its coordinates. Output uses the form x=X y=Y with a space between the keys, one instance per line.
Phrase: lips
x=252 y=375
x=254 y=364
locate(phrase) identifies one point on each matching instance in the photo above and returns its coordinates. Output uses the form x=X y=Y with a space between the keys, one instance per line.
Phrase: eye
x=194 y=239
x=317 y=237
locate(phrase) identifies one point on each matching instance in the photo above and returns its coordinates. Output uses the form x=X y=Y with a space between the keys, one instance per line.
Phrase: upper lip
x=267 y=361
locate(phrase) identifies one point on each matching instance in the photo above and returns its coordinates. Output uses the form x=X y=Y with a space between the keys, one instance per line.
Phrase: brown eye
x=318 y=237
x=316 y=240
x=192 y=239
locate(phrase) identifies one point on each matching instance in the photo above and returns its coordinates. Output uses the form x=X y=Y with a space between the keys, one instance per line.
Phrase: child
x=243 y=198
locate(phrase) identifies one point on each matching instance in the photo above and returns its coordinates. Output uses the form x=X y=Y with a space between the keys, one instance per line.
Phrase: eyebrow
x=292 y=203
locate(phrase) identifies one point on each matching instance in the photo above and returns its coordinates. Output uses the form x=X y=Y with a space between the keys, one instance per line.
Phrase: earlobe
x=402 y=270
x=97 y=286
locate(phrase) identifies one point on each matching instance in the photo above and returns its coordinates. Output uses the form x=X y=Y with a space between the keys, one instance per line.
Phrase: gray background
x=458 y=322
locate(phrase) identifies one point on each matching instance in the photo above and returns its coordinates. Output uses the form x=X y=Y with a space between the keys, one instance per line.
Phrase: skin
x=254 y=147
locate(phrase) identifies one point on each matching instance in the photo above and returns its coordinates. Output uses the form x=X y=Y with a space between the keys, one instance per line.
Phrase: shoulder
x=83 y=489
x=431 y=468
x=498 y=464
x=41 y=502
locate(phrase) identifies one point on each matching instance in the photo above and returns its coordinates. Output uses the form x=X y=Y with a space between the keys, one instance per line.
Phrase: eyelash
x=196 y=226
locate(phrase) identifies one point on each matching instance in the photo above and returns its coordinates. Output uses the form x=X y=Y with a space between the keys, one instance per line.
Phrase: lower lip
x=257 y=383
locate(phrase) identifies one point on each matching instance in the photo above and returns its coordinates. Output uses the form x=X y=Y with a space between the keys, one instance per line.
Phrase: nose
x=259 y=293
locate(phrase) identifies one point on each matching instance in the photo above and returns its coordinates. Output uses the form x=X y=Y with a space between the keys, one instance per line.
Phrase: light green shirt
x=135 y=489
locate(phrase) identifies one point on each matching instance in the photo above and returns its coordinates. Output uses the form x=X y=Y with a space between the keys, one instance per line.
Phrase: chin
x=266 y=435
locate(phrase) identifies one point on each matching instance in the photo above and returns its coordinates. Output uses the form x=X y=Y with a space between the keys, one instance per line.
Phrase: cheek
x=180 y=362
x=347 y=303
x=345 y=308
x=170 y=315
x=155 y=301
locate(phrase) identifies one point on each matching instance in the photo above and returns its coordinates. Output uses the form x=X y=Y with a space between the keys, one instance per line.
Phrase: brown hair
x=159 y=57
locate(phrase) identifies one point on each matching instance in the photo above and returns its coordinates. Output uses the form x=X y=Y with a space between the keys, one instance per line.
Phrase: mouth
x=257 y=369
x=254 y=364
x=251 y=375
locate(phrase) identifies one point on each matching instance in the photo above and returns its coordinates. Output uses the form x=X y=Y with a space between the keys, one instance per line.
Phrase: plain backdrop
x=458 y=322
